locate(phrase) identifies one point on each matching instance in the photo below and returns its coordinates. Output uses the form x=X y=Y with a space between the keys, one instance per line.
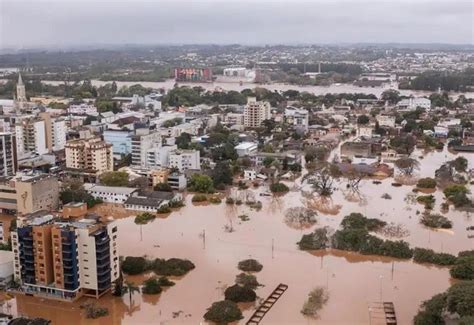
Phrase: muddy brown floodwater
x=353 y=280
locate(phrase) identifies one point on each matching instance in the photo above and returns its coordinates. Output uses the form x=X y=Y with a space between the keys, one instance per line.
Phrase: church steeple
x=20 y=92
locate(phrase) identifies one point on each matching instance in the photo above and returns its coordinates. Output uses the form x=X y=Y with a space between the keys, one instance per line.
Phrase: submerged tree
x=322 y=180
x=130 y=288
x=317 y=298
x=407 y=165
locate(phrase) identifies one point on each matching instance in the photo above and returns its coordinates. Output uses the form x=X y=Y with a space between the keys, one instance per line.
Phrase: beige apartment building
x=89 y=155
x=255 y=112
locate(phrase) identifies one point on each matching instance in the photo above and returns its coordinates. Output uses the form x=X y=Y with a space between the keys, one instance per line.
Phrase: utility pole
x=272 y=248
x=381 y=278
x=204 y=238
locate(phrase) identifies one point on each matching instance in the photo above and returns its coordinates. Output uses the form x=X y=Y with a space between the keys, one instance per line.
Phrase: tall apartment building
x=7 y=154
x=185 y=159
x=55 y=130
x=31 y=136
x=65 y=259
x=255 y=112
x=91 y=155
x=142 y=141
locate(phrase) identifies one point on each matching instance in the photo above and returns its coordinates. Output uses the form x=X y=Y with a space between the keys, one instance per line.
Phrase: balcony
x=103 y=272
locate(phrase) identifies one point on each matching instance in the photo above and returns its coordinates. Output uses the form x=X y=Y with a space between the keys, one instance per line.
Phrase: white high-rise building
x=7 y=154
x=31 y=137
x=55 y=129
x=142 y=141
x=59 y=130
x=255 y=112
x=159 y=156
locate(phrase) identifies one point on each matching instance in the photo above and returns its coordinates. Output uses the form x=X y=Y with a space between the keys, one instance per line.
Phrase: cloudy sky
x=61 y=23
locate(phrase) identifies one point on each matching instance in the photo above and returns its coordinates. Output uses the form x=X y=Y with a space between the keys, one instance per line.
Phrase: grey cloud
x=28 y=23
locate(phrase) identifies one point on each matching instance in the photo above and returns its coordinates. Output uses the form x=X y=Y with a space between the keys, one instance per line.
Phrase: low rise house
x=246 y=148
x=366 y=149
x=177 y=181
x=149 y=201
x=297 y=117
x=287 y=157
x=412 y=103
x=109 y=194
x=386 y=120
x=82 y=109
x=250 y=174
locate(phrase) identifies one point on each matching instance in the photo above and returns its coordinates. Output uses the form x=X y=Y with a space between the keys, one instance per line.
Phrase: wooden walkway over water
x=258 y=315
x=382 y=313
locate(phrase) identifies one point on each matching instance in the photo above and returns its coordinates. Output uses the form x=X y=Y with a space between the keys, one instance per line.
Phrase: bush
x=427 y=182
x=317 y=298
x=172 y=266
x=199 y=198
x=247 y=280
x=144 y=218
x=422 y=255
x=300 y=217
x=201 y=184
x=279 y=188
x=255 y=205
x=229 y=201
x=215 y=200
x=359 y=240
x=250 y=265
x=176 y=203
x=163 y=187
x=435 y=221
x=457 y=194
x=237 y=293
x=165 y=208
x=164 y=282
x=114 y=178
x=427 y=200
x=316 y=240
x=463 y=269
x=94 y=312
x=358 y=221
x=223 y=312
x=134 y=265
x=151 y=286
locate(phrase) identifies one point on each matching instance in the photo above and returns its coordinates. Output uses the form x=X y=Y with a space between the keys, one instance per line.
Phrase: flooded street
x=353 y=280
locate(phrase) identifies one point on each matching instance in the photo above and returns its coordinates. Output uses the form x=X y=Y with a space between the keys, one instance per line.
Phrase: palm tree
x=130 y=288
